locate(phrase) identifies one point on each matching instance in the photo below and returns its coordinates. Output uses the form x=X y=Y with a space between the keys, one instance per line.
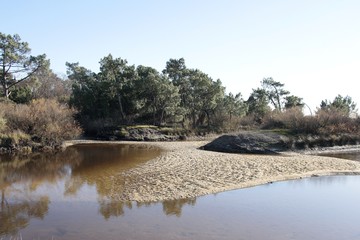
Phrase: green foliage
x=274 y=91
x=293 y=101
x=258 y=104
x=21 y=95
x=108 y=94
x=16 y=63
x=229 y=111
x=340 y=104
x=199 y=94
x=121 y=94
x=234 y=105
x=159 y=97
x=129 y=95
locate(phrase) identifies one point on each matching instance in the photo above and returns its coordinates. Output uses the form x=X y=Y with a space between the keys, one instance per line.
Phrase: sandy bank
x=184 y=171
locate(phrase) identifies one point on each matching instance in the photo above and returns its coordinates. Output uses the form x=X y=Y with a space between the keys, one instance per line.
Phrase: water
x=345 y=155
x=72 y=197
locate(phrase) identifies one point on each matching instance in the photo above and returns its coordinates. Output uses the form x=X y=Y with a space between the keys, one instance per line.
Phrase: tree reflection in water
x=19 y=178
x=114 y=208
x=78 y=167
x=15 y=215
x=174 y=207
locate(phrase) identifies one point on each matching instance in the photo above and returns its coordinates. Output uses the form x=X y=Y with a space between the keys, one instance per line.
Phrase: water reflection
x=27 y=183
x=74 y=195
x=114 y=208
x=174 y=207
x=345 y=155
x=15 y=214
x=36 y=168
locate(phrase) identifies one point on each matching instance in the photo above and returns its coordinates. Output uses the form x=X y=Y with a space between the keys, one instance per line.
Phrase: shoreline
x=185 y=171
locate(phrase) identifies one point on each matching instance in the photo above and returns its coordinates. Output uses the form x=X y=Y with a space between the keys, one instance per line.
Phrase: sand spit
x=184 y=171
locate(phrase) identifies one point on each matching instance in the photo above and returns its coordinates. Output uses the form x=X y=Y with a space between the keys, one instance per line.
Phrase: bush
x=2 y=124
x=290 y=119
x=47 y=121
x=249 y=122
x=336 y=122
x=14 y=139
x=323 y=123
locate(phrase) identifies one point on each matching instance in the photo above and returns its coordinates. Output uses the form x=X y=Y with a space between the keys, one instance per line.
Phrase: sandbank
x=185 y=171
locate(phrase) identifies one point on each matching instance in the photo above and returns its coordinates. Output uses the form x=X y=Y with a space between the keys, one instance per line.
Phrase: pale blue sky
x=313 y=46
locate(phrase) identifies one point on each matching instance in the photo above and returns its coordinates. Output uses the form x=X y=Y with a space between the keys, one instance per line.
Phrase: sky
x=312 y=46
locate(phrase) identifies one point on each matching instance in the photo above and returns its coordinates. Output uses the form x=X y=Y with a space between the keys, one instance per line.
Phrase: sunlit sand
x=184 y=171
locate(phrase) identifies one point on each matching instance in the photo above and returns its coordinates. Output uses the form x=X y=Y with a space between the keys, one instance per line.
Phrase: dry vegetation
x=325 y=129
x=323 y=123
x=41 y=123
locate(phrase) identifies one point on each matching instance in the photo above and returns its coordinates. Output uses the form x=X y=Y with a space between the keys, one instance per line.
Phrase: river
x=71 y=196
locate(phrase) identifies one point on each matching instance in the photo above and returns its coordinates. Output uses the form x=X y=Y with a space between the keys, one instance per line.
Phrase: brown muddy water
x=70 y=196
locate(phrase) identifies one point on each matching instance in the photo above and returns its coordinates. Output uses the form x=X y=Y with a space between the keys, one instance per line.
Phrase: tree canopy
x=274 y=92
x=16 y=63
x=341 y=104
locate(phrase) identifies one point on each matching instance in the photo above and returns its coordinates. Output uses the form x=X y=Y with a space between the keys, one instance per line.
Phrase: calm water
x=71 y=196
x=352 y=156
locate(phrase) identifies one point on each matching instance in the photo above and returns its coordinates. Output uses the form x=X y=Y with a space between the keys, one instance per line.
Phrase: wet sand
x=184 y=171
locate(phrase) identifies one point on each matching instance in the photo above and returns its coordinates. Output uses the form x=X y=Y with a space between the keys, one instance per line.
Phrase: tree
x=158 y=94
x=46 y=84
x=121 y=77
x=275 y=92
x=176 y=70
x=258 y=104
x=341 y=104
x=199 y=93
x=21 y=94
x=179 y=75
x=203 y=96
x=293 y=101
x=90 y=96
x=16 y=63
x=234 y=105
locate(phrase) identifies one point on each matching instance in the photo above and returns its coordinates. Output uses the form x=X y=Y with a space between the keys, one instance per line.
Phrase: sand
x=184 y=171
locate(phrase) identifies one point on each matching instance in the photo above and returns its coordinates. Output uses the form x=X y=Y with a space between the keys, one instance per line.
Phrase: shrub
x=47 y=121
x=336 y=122
x=290 y=119
x=323 y=123
x=307 y=125
x=2 y=124
x=14 y=139
x=249 y=122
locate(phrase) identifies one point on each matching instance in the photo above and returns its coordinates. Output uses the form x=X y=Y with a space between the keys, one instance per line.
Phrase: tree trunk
x=123 y=116
x=194 y=120
x=2 y=200
x=208 y=118
x=6 y=92
x=154 y=116
x=162 y=116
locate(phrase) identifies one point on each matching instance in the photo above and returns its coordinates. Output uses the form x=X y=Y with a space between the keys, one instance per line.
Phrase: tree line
x=125 y=94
